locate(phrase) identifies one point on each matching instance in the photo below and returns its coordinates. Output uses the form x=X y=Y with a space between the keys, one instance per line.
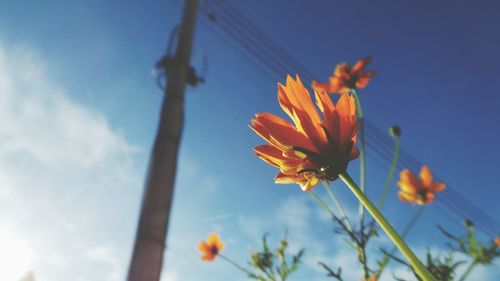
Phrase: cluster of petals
x=317 y=147
x=418 y=190
x=211 y=248
x=346 y=78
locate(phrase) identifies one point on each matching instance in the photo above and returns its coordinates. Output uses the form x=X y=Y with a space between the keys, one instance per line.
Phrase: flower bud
x=395 y=131
x=468 y=223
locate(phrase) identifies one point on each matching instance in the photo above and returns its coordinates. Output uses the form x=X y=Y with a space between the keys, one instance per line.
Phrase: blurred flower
x=395 y=131
x=346 y=78
x=313 y=149
x=371 y=278
x=497 y=241
x=468 y=223
x=418 y=190
x=211 y=248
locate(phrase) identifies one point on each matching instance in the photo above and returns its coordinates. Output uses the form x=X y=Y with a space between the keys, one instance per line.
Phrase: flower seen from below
x=314 y=148
x=211 y=247
x=346 y=77
x=418 y=190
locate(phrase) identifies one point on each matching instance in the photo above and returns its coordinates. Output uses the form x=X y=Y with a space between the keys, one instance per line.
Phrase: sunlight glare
x=15 y=257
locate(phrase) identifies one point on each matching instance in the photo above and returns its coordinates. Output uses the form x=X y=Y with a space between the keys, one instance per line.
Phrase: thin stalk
x=322 y=203
x=386 y=259
x=387 y=227
x=360 y=248
x=235 y=264
x=468 y=271
x=392 y=170
x=339 y=206
x=362 y=167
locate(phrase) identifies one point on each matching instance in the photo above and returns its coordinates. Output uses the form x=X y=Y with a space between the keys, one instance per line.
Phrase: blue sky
x=79 y=109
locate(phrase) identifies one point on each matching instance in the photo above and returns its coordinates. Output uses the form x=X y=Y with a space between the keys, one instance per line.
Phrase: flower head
x=346 y=77
x=316 y=148
x=497 y=241
x=418 y=190
x=211 y=248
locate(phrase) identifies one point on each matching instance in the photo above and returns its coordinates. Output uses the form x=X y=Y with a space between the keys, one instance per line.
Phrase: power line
x=269 y=54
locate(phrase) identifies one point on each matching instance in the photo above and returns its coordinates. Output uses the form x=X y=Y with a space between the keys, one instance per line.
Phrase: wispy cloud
x=67 y=178
x=105 y=255
x=218 y=218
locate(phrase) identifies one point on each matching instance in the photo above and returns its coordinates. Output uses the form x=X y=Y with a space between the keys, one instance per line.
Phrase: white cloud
x=106 y=256
x=308 y=228
x=67 y=179
x=170 y=275
x=301 y=220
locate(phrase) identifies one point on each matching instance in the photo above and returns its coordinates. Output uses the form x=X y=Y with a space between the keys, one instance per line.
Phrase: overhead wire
x=278 y=61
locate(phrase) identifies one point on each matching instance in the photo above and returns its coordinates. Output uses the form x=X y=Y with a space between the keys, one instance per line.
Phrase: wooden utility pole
x=149 y=247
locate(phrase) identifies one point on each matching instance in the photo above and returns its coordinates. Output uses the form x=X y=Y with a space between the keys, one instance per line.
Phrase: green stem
x=386 y=259
x=468 y=271
x=339 y=206
x=321 y=203
x=389 y=230
x=362 y=167
x=392 y=170
x=235 y=264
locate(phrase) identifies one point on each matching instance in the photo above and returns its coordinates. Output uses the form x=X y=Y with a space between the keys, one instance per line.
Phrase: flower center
x=214 y=250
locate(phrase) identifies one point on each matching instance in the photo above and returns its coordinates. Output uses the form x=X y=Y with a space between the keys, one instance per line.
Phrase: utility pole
x=149 y=247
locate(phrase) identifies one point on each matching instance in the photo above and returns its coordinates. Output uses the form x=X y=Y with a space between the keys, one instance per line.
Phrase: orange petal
x=407 y=187
x=294 y=96
x=341 y=70
x=336 y=85
x=270 y=154
x=280 y=132
x=317 y=86
x=346 y=106
x=429 y=197
x=295 y=100
x=354 y=153
x=346 y=112
x=362 y=82
x=292 y=167
x=282 y=178
x=409 y=178
x=310 y=184
x=437 y=186
x=407 y=197
x=208 y=257
x=361 y=64
x=213 y=238
x=426 y=176
x=330 y=120
x=203 y=247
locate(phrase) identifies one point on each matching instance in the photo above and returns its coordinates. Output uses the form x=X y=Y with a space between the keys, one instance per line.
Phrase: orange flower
x=418 y=190
x=314 y=149
x=346 y=78
x=211 y=248
x=497 y=241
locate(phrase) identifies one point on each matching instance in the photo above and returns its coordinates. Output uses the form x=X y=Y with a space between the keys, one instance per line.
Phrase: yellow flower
x=314 y=149
x=418 y=190
x=346 y=78
x=211 y=248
